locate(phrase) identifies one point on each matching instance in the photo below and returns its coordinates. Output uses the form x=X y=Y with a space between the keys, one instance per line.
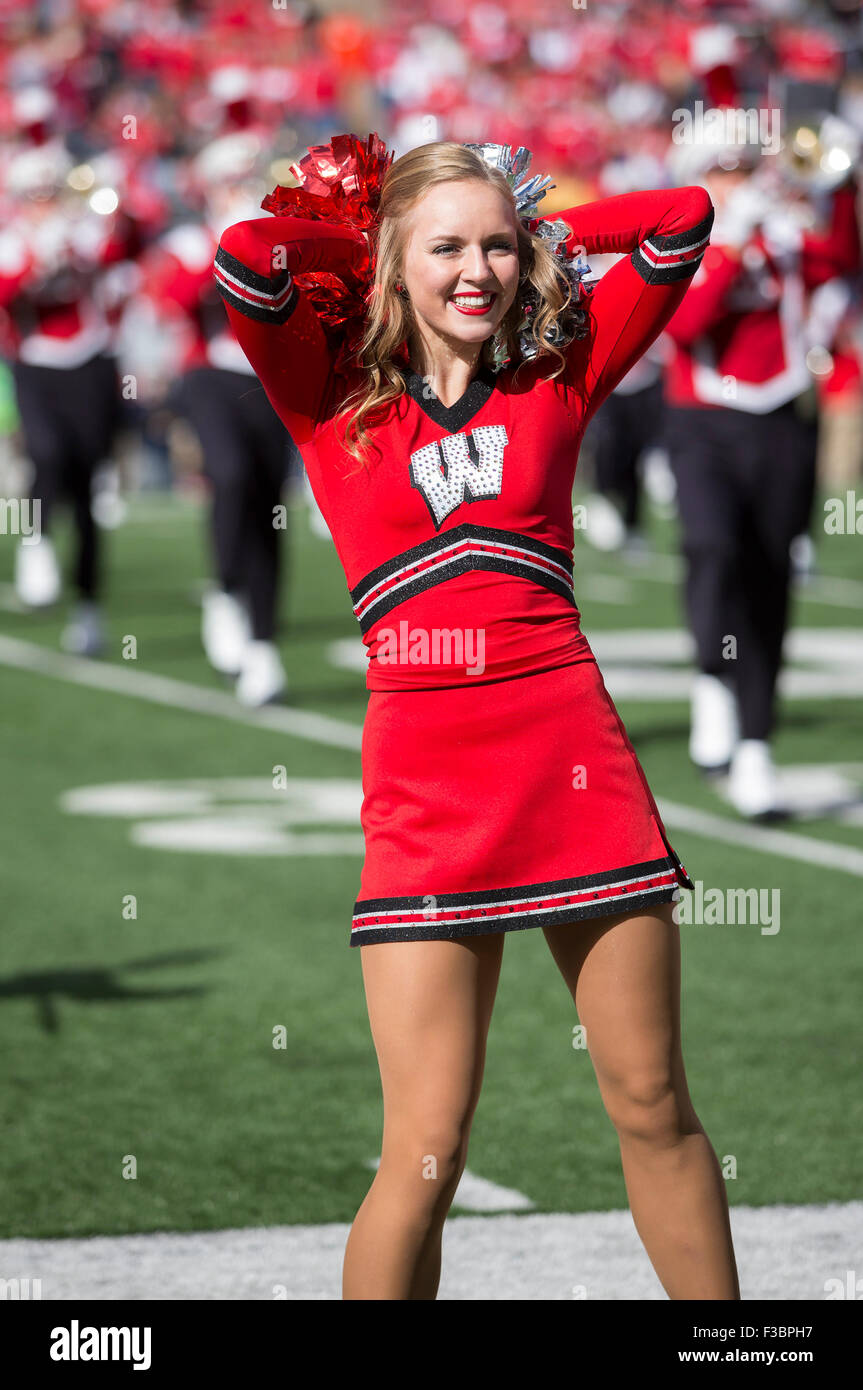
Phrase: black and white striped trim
x=661 y=260
x=256 y=296
x=444 y=916
x=463 y=548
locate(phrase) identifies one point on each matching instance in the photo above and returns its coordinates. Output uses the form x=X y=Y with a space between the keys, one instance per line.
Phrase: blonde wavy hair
x=390 y=318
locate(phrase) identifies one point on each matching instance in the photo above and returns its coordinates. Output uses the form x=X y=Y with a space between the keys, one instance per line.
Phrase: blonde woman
x=429 y=345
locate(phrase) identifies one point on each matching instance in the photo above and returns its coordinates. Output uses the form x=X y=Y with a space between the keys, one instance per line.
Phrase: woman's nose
x=476 y=265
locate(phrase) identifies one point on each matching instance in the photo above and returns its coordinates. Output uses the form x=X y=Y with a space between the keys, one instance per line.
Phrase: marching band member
x=56 y=259
x=245 y=446
x=741 y=438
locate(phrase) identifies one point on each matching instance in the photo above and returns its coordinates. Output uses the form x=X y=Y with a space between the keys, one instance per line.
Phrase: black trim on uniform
x=444 y=902
x=491 y=901
x=468 y=531
x=675 y=241
x=663 y=275
x=461 y=564
x=259 y=283
x=264 y=284
x=446 y=931
x=451 y=417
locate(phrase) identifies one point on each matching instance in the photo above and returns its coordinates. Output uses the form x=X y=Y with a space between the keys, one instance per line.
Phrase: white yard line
x=480 y=1194
x=786 y=844
x=825 y=588
x=783 y=1252
x=165 y=690
x=669 y=569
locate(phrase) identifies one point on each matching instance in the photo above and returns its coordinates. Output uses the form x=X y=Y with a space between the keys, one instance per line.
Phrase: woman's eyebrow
x=454 y=236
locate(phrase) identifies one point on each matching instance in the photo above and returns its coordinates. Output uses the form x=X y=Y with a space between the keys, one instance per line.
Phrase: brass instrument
x=818 y=154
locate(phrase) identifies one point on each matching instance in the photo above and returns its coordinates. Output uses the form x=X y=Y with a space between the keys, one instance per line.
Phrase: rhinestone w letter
x=459 y=468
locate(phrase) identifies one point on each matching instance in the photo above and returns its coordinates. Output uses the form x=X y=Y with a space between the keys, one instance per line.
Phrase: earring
x=400 y=289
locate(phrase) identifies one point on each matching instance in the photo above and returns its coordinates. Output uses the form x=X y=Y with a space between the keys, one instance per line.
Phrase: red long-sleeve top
x=462 y=523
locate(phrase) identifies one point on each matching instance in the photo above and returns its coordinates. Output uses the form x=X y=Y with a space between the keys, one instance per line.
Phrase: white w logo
x=459 y=468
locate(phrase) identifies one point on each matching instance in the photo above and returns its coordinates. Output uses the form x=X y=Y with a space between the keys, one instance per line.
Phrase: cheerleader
x=429 y=344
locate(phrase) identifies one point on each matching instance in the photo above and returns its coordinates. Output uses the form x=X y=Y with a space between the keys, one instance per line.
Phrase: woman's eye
x=505 y=245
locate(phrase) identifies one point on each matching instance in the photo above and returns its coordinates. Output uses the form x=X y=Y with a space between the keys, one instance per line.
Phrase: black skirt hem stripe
x=364 y=907
x=451 y=931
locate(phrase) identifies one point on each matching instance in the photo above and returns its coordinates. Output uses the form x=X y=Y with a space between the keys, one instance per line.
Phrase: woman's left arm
x=665 y=233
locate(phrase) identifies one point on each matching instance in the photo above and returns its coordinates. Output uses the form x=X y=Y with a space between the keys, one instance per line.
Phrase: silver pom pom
x=527 y=193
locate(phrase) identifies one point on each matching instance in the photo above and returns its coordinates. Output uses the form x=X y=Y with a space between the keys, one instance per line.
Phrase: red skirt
x=518 y=803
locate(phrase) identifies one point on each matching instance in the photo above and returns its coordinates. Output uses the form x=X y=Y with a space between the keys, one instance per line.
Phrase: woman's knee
x=432 y=1154
x=652 y=1107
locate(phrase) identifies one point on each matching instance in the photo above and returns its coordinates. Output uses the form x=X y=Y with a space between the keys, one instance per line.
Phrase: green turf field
x=152 y=1036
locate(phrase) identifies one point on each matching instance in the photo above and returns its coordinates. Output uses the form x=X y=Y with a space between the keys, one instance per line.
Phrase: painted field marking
x=783 y=1252
x=479 y=1194
x=787 y=844
x=166 y=690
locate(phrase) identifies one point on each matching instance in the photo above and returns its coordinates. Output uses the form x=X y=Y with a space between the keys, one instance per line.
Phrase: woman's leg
x=624 y=975
x=430 y=1004
x=91 y=400
x=45 y=441
x=264 y=539
x=209 y=404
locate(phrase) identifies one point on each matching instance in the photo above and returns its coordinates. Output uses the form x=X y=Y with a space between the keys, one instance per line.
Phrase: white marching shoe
x=604 y=529
x=37 y=574
x=803 y=560
x=84 y=634
x=224 y=631
x=262 y=676
x=752 y=785
x=714 y=731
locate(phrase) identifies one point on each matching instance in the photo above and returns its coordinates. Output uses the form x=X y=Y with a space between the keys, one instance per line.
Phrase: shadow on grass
x=91 y=984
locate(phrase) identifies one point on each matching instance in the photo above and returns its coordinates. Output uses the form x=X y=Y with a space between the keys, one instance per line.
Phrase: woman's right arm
x=274 y=321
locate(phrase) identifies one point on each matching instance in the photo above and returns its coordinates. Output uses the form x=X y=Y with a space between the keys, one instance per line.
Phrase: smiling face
x=460 y=264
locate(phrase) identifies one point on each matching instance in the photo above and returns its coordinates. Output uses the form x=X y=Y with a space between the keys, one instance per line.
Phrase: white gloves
x=745 y=210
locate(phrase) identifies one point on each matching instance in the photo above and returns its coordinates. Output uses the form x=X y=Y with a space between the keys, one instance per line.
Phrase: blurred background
x=183 y=690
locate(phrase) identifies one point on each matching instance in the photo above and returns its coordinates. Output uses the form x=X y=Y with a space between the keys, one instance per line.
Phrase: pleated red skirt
x=497 y=807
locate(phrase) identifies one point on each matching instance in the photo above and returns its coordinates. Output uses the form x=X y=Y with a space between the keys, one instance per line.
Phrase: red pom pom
x=339 y=183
